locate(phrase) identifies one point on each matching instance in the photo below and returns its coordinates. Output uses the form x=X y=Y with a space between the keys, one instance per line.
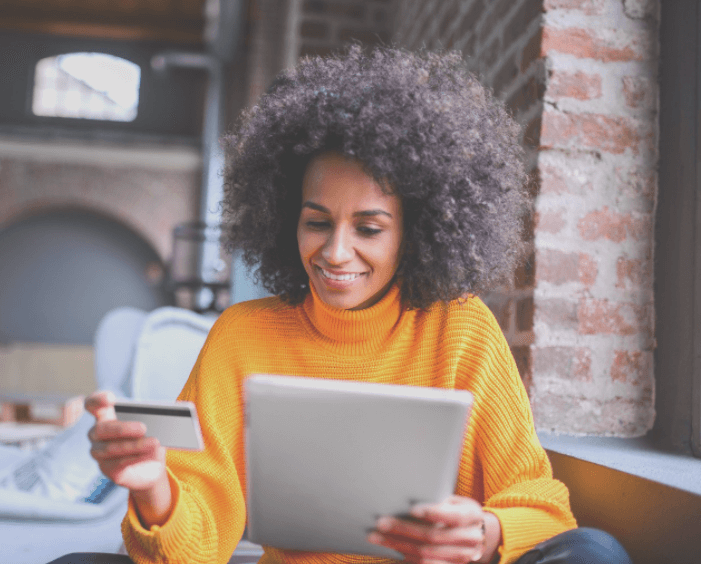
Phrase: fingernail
x=374 y=538
x=383 y=524
x=418 y=510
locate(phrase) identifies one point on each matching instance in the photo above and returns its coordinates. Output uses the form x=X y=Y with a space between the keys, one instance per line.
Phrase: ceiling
x=176 y=21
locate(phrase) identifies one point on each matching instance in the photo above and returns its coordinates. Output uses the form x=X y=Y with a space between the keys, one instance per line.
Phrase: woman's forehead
x=332 y=179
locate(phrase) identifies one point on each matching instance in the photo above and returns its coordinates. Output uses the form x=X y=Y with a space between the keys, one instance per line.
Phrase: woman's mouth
x=345 y=277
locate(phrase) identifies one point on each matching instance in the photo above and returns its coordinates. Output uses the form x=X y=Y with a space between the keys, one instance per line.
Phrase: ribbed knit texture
x=456 y=345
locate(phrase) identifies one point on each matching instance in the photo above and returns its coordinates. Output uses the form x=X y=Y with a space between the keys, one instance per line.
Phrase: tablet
x=173 y=423
x=326 y=458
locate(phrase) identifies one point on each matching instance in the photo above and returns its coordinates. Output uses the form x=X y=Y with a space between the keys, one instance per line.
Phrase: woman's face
x=349 y=232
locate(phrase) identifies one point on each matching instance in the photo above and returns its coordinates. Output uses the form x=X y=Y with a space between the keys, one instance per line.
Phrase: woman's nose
x=338 y=248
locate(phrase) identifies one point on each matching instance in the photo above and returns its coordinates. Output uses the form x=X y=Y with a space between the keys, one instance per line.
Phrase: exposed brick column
x=594 y=311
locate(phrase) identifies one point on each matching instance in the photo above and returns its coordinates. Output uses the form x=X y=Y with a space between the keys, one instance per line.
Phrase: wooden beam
x=190 y=36
x=99 y=11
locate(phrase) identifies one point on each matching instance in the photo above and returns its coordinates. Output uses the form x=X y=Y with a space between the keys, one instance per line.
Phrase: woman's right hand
x=125 y=455
x=130 y=459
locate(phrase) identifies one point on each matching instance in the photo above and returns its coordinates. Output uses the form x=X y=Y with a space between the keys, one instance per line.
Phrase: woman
x=376 y=195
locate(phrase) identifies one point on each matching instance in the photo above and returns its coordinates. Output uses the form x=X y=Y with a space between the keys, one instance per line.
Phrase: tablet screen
x=326 y=458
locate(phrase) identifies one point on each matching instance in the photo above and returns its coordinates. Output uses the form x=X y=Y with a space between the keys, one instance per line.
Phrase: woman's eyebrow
x=317 y=207
x=363 y=213
x=369 y=213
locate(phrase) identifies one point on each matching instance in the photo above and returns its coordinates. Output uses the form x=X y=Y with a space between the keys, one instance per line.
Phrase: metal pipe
x=210 y=263
x=228 y=17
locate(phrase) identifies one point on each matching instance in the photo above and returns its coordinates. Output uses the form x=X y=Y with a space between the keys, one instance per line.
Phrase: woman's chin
x=340 y=300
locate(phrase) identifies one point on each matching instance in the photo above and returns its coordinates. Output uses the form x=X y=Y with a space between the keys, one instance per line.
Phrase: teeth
x=342 y=277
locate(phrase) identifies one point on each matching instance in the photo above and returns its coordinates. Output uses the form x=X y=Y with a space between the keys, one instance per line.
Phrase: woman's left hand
x=456 y=531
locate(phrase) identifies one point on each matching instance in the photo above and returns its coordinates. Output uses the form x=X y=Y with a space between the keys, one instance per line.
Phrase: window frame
x=678 y=232
x=170 y=103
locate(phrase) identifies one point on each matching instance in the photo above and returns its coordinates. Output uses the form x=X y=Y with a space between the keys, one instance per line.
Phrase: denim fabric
x=578 y=546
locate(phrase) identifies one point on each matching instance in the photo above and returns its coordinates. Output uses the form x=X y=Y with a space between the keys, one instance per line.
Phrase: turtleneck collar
x=360 y=330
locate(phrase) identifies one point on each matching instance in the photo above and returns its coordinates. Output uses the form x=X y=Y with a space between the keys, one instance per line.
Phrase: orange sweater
x=447 y=346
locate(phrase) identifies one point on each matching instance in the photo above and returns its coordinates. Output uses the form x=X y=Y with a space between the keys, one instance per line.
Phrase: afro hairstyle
x=424 y=128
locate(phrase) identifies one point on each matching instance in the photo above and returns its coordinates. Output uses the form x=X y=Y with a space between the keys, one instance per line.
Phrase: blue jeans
x=578 y=546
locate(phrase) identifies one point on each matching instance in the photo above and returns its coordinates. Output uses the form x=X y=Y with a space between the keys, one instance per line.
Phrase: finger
x=415 y=530
x=457 y=554
x=460 y=557
x=429 y=533
x=99 y=399
x=464 y=512
x=101 y=405
x=112 y=430
x=406 y=546
x=422 y=553
x=457 y=499
x=119 y=464
x=109 y=450
x=133 y=471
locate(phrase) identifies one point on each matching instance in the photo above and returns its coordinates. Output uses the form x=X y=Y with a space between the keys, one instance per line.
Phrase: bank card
x=174 y=424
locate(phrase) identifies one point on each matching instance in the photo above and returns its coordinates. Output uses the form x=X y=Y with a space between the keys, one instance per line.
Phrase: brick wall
x=148 y=199
x=500 y=41
x=594 y=310
x=580 y=76
x=326 y=25
x=265 y=45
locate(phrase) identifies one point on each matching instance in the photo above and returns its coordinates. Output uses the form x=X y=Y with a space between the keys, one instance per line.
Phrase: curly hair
x=421 y=126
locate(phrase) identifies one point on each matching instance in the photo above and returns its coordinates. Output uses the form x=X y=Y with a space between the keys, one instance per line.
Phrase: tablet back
x=325 y=458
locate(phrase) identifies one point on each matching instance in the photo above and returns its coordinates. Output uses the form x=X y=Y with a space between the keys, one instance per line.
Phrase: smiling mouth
x=340 y=277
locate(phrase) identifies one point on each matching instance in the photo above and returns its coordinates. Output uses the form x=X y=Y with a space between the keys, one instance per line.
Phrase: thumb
x=101 y=405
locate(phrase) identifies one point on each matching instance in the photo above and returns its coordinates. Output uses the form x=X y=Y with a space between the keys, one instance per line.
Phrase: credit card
x=174 y=424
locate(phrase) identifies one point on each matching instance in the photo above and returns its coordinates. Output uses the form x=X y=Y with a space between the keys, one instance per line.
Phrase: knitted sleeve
x=208 y=515
x=517 y=477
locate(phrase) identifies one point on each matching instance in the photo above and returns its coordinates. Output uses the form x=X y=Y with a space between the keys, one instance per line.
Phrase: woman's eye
x=369 y=231
x=317 y=225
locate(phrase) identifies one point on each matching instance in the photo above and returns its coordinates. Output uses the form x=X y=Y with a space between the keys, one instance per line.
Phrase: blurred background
x=110 y=178
x=111 y=113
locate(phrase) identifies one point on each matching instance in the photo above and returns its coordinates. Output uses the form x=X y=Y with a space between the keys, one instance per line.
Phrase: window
x=678 y=231
x=86 y=86
x=61 y=87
